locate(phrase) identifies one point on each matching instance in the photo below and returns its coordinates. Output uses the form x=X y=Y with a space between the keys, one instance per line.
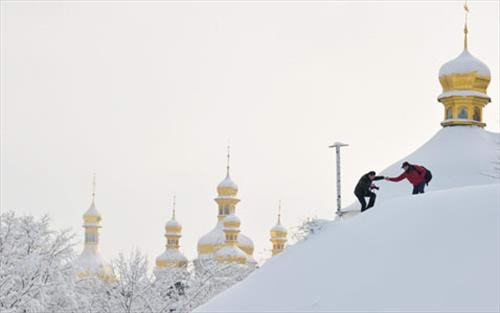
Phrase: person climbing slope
x=364 y=189
x=417 y=175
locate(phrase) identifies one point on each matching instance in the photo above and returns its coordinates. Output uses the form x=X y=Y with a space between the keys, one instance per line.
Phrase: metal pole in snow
x=337 y=146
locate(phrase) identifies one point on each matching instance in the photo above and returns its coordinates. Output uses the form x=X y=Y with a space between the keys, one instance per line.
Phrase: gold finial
x=93 y=187
x=228 y=159
x=466 y=30
x=173 y=208
x=279 y=212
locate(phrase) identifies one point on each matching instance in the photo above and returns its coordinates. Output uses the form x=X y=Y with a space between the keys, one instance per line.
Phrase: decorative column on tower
x=230 y=252
x=278 y=235
x=172 y=258
x=90 y=261
x=464 y=81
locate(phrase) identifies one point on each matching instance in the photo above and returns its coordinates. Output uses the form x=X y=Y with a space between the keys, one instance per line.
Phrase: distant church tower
x=172 y=257
x=278 y=235
x=464 y=81
x=216 y=239
x=90 y=261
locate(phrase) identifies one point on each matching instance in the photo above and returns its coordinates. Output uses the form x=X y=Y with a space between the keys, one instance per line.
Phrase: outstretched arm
x=378 y=178
x=396 y=179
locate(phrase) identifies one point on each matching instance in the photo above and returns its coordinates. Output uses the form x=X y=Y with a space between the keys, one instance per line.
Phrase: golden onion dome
x=463 y=64
x=216 y=238
x=173 y=226
x=231 y=254
x=278 y=231
x=232 y=221
x=171 y=258
x=464 y=76
x=92 y=215
x=227 y=187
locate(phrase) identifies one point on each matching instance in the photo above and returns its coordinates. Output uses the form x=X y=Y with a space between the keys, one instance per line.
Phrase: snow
x=279 y=228
x=231 y=251
x=439 y=251
x=457 y=156
x=463 y=93
x=464 y=63
x=232 y=218
x=228 y=183
x=91 y=261
x=171 y=255
x=172 y=223
x=217 y=236
x=92 y=211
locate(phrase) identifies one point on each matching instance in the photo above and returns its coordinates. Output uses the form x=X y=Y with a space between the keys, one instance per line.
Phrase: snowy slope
x=434 y=252
x=457 y=156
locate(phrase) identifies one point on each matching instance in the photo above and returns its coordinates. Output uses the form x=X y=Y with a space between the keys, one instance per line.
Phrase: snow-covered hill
x=434 y=252
x=457 y=156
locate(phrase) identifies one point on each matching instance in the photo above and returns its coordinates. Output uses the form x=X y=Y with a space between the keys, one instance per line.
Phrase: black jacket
x=364 y=185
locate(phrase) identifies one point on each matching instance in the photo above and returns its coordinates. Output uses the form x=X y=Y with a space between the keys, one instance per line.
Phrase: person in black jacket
x=364 y=189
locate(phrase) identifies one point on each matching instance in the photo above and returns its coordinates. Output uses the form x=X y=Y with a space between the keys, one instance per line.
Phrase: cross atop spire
x=228 y=159
x=279 y=212
x=93 y=187
x=466 y=30
x=173 y=208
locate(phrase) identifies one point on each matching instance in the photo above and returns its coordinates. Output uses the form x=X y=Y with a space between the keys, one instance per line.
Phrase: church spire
x=278 y=234
x=171 y=257
x=228 y=159
x=466 y=29
x=465 y=80
x=93 y=187
x=173 y=208
x=90 y=262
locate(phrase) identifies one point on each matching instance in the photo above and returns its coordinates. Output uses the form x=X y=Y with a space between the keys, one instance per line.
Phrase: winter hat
x=372 y=173
x=405 y=164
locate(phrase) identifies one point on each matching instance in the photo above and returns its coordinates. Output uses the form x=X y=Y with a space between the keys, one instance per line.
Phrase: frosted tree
x=209 y=279
x=132 y=290
x=169 y=289
x=36 y=274
x=308 y=227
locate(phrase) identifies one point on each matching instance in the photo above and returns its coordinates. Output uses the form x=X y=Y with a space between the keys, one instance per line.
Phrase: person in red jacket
x=415 y=175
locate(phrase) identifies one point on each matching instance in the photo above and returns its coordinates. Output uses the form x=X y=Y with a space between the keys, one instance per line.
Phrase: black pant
x=418 y=189
x=362 y=200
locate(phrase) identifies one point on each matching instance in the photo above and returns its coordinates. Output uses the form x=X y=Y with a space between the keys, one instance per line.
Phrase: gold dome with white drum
x=172 y=258
x=90 y=262
x=464 y=81
x=278 y=235
x=209 y=244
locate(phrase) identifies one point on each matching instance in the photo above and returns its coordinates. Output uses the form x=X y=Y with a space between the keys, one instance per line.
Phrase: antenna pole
x=337 y=147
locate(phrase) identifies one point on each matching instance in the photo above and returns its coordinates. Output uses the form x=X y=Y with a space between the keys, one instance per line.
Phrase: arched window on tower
x=462 y=114
x=226 y=210
x=449 y=113
x=477 y=114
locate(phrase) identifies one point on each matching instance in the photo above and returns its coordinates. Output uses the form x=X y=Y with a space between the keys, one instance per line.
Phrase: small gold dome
x=232 y=221
x=227 y=187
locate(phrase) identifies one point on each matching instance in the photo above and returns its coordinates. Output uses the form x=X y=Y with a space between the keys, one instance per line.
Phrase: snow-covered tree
x=132 y=291
x=36 y=273
x=209 y=279
x=308 y=227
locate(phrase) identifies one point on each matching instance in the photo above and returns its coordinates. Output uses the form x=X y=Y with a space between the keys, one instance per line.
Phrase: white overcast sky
x=148 y=95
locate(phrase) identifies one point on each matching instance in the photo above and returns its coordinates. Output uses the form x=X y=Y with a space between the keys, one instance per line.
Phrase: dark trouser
x=418 y=188
x=362 y=200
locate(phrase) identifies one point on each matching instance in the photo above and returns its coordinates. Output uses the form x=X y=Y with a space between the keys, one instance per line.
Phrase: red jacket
x=415 y=176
